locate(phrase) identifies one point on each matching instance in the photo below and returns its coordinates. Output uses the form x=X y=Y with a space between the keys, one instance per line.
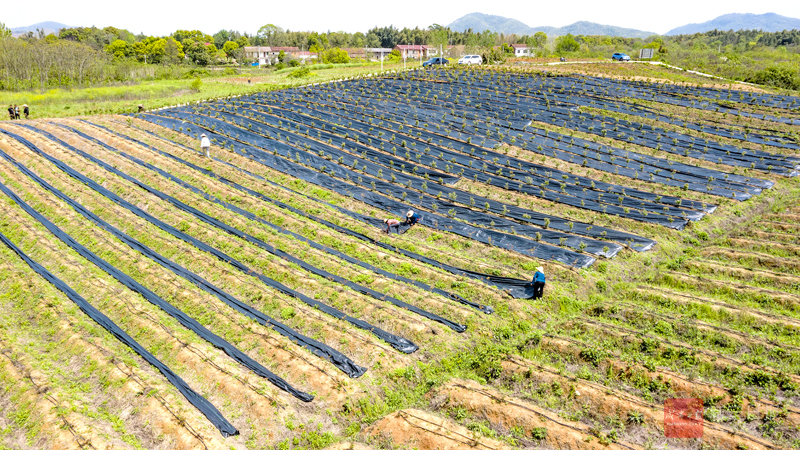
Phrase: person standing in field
x=16 y=112
x=205 y=144
x=26 y=110
x=392 y=223
x=538 y=283
x=11 y=111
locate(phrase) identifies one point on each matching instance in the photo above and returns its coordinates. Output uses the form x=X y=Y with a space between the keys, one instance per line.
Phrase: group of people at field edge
x=15 y=110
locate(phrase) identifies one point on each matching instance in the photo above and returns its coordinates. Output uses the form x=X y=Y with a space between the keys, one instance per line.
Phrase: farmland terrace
x=156 y=298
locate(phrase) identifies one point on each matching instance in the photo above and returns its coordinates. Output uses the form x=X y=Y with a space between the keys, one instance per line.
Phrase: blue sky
x=163 y=17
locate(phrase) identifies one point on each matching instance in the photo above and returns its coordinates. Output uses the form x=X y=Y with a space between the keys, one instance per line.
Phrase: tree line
x=86 y=55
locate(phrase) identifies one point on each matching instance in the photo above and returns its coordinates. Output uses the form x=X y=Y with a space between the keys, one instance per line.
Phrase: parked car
x=438 y=60
x=620 y=57
x=471 y=59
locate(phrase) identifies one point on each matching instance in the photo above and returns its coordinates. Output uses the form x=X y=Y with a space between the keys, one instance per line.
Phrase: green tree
x=230 y=48
x=119 y=49
x=567 y=44
x=438 y=36
x=537 y=41
x=269 y=32
x=196 y=52
x=5 y=32
x=173 y=50
x=335 y=56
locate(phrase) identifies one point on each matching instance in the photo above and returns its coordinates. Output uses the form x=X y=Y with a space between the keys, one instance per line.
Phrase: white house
x=260 y=54
x=378 y=54
x=521 y=50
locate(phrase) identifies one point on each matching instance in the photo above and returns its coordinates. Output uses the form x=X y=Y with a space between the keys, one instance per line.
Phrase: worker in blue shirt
x=538 y=283
x=412 y=218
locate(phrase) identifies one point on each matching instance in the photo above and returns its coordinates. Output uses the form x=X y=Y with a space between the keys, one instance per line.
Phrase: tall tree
x=269 y=32
x=5 y=32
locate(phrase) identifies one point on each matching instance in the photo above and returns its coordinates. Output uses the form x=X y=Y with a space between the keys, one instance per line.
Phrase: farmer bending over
x=392 y=223
x=538 y=283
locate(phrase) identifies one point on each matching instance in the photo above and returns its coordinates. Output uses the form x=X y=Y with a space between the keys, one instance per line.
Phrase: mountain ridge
x=480 y=22
x=738 y=21
x=47 y=26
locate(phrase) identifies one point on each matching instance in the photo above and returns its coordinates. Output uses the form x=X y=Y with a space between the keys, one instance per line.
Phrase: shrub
x=335 y=56
x=539 y=433
x=302 y=72
x=777 y=76
x=196 y=84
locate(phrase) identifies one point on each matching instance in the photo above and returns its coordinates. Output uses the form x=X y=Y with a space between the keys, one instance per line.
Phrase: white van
x=471 y=59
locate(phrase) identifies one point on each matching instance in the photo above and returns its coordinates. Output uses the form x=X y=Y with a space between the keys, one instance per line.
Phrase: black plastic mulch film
x=450 y=295
x=512 y=168
x=530 y=183
x=322 y=350
x=509 y=121
x=502 y=102
x=260 y=243
x=281 y=162
x=598 y=93
x=454 y=199
x=585 y=152
x=515 y=287
x=509 y=117
x=197 y=400
x=135 y=286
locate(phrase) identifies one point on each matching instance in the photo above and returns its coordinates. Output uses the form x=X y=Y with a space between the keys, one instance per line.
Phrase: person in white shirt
x=205 y=144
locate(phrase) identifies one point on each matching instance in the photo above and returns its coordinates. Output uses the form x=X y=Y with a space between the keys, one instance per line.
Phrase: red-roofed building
x=414 y=51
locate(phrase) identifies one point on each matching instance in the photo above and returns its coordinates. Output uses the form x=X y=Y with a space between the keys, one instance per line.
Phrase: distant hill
x=480 y=22
x=48 y=27
x=766 y=22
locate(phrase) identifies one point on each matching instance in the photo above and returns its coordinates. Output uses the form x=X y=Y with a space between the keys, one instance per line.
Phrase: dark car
x=434 y=61
x=620 y=57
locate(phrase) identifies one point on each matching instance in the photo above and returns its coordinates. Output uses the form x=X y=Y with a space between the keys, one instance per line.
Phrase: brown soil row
x=419 y=238
x=719 y=360
x=413 y=428
x=765 y=224
x=32 y=391
x=744 y=339
x=506 y=412
x=743 y=273
x=615 y=403
x=683 y=298
x=191 y=257
x=743 y=257
x=752 y=243
x=348 y=446
x=158 y=279
x=431 y=302
x=128 y=310
x=680 y=384
x=786 y=238
x=789 y=300
x=162 y=411
x=789 y=218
